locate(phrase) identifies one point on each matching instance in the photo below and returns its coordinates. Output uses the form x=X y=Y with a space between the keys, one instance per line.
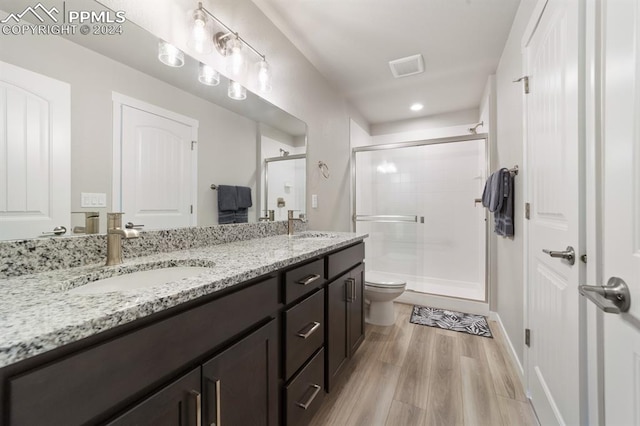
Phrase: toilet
x=380 y=290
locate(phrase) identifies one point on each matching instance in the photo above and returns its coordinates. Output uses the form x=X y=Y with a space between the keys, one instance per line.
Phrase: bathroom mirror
x=105 y=75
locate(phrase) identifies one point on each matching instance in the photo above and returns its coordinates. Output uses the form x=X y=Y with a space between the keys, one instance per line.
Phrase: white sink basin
x=140 y=279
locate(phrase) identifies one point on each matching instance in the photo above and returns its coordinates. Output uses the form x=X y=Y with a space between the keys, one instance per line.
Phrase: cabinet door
x=240 y=385
x=178 y=404
x=336 y=322
x=356 y=309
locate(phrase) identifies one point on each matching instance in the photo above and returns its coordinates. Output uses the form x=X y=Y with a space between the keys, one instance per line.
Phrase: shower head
x=283 y=153
x=474 y=130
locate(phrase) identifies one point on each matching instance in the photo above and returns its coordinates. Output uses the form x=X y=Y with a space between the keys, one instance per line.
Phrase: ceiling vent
x=404 y=67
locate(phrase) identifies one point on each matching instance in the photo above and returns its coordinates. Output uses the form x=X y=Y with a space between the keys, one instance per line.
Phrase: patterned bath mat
x=451 y=320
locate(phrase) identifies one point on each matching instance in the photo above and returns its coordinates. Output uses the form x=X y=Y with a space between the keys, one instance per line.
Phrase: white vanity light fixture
x=200 y=37
x=416 y=106
x=233 y=47
x=170 y=55
x=264 y=76
x=207 y=75
x=236 y=91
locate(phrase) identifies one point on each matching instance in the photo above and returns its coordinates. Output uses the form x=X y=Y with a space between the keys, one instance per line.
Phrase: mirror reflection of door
x=158 y=176
x=34 y=153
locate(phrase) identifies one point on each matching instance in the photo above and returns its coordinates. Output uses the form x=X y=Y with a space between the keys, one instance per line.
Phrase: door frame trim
x=120 y=101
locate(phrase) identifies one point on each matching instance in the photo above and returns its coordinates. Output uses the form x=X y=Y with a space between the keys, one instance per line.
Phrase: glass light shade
x=170 y=55
x=207 y=75
x=200 y=38
x=235 y=58
x=236 y=91
x=264 y=76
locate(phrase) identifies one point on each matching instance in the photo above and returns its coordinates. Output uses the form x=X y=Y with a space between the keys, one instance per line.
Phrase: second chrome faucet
x=291 y=221
x=115 y=234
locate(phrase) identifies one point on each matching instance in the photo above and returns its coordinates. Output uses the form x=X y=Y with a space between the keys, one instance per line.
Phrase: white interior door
x=34 y=153
x=621 y=206
x=158 y=170
x=552 y=363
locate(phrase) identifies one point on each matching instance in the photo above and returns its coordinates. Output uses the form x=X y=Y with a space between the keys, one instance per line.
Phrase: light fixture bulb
x=207 y=75
x=170 y=55
x=235 y=58
x=264 y=76
x=200 y=39
x=236 y=91
x=416 y=107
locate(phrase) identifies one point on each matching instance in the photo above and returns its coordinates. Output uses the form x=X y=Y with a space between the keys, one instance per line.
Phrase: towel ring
x=324 y=169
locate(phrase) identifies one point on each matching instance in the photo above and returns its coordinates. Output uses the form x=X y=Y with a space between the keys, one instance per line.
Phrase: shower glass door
x=417 y=203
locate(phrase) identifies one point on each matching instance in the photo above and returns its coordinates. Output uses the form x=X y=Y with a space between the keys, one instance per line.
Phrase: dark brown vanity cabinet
x=260 y=353
x=239 y=386
x=345 y=311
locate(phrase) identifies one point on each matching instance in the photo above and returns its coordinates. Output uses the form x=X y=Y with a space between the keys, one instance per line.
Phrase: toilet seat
x=378 y=280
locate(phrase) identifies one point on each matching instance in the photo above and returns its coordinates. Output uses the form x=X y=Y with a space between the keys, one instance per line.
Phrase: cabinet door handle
x=351 y=289
x=305 y=405
x=198 y=397
x=217 y=403
x=314 y=326
x=309 y=279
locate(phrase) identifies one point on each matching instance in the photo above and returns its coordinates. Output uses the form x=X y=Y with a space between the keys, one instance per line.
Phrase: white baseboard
x=462 y=305
x=512 y=352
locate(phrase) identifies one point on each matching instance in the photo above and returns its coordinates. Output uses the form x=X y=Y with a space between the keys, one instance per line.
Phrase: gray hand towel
x=503 y=218
x=494 y=191
x=227 y=198
x=244 y=197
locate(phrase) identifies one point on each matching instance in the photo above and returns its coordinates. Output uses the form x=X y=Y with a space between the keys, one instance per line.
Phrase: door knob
x=569 y=254
x=58 y=230
x=612 y=298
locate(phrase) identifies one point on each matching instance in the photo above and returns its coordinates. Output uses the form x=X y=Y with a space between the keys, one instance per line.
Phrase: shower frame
x=435 y=141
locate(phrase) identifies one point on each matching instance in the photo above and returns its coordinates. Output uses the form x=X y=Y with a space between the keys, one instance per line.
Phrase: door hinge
x=191 y=208
x=527 y=337
x=527 y=211
x=525 y=79
x=193 y=144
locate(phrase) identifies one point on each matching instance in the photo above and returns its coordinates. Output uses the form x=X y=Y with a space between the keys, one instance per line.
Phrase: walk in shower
x=418 y=203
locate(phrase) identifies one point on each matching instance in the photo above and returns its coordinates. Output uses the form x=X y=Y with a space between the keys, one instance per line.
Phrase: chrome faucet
x=115 y=233
x=270 y=216
x=291 y=220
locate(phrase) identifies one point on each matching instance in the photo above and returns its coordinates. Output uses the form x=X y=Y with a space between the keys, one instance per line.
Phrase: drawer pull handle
x=198 y=397
x=314 y=326
x=309 y=279
x=305 y=405
x=351 y=290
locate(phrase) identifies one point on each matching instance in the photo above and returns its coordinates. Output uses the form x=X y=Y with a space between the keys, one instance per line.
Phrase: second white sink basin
x=140 y=279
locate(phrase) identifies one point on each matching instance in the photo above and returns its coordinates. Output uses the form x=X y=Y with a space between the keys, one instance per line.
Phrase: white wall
x=431 y=127
x=227 y=141
x=298 y=88
x=508 y=280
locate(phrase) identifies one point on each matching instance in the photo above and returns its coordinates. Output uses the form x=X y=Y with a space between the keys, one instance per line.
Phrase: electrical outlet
x=314 y=201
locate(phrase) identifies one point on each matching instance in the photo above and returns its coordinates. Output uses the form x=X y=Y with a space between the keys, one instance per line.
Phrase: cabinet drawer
x=304 y=331
x=93 y=383
x=304 y=395
x=303 y=279
x=344 y=260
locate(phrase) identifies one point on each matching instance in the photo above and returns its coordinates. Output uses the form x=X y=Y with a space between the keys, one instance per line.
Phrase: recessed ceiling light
x=416 y=107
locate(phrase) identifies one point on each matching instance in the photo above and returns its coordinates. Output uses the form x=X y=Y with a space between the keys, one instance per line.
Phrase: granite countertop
x=38 y=314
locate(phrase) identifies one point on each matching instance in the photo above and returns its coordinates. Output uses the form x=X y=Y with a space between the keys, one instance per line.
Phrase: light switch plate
x=314 y=201
x=93 y=199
